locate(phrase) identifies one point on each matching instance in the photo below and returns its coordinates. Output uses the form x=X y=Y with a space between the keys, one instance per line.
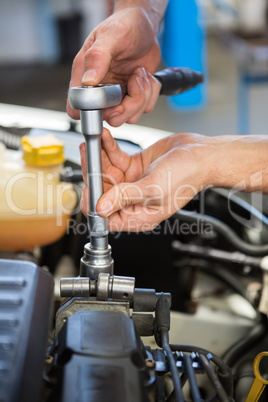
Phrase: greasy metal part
x=77 y=287
x=122 y=287
x=74 y=305
x=96 y=261
x=105 y=287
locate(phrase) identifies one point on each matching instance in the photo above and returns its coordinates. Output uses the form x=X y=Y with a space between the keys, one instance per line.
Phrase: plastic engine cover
x=26 y=294
x=102 y=359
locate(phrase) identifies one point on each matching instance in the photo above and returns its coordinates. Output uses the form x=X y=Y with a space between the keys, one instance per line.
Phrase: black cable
x=183 y=379
x=241 y=203
x=225 y=373
x=192 y=380
x=222 y=396
x=188 y=374
x=224 y=369
x=213 y=254
x=213 y=398
x=227 y=278
x=254 y=337
x=172 y=365
x=162 y=321
x=224 y=230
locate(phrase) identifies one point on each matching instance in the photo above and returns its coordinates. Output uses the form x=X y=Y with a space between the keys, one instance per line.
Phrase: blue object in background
x=184 y=45
x=47 y=31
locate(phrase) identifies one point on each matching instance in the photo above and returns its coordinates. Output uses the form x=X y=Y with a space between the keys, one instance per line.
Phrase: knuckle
x=124 y=198
x=94 y=50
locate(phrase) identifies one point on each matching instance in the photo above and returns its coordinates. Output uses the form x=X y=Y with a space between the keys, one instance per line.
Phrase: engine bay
x=184 y=317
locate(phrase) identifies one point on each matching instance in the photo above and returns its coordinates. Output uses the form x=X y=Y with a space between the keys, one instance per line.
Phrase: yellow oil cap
x=45 y=150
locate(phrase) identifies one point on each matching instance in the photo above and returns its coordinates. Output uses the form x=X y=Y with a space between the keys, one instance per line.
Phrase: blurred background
x=226 y=39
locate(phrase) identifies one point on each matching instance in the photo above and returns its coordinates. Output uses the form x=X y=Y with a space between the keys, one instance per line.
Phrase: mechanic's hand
x=144 y=189
x=122 y=49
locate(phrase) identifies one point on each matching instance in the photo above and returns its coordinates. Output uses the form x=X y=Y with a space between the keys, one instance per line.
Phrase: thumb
x=96 y=64
x=120 y=196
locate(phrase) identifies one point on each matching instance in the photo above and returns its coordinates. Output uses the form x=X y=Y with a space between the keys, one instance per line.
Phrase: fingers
x=84 y=202
x=116 y=156
x=156 y=87
x=131 y=219
x=118 y=197
x=96 y=64
x=76 y=77
x=111 y=174
x=82 y=149
x=143 y=91
x=89 y=67
x=128 y=208
x=115 y=162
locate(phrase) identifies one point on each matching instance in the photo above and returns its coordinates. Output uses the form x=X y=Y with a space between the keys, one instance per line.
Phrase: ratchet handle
x=176 y=80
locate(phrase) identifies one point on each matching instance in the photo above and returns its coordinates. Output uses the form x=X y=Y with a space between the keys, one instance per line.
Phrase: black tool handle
x=176 y=80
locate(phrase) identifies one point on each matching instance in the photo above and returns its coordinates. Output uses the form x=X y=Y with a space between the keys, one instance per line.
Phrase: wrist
x=238 y=162
x=154 y=9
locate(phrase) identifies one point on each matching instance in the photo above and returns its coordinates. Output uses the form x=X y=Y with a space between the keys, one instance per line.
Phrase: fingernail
x=140 y=82
x=143 y=72
x=106 y=208
x=89 y=76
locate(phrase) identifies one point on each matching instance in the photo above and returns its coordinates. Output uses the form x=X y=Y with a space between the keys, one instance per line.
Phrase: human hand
x=122 y=49
x=142 y=190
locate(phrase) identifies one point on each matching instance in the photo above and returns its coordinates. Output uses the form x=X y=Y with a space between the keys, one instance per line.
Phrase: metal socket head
x=96 y=261
x=95 y=98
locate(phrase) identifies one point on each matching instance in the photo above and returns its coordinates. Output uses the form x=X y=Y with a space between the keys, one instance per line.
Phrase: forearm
x=224 y=161
x=239 y=162
x=155 y=9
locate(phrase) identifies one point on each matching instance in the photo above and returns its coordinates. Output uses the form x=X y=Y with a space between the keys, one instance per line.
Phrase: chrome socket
x=96 y=261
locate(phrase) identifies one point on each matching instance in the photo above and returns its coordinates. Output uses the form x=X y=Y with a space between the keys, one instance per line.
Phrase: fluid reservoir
x=34 y=205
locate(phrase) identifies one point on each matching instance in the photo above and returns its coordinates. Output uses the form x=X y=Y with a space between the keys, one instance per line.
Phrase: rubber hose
x=224 y=230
